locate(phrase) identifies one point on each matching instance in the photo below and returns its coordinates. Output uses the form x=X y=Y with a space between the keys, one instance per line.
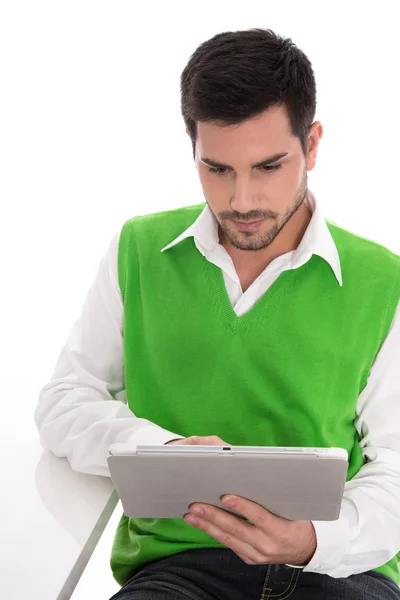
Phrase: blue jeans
x=219 y=574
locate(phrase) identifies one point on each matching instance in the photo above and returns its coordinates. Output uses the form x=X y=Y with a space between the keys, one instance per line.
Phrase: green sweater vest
x=286 y=373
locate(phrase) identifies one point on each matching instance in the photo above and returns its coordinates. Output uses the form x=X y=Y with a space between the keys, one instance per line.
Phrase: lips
x=248 y=226
x=248 y=222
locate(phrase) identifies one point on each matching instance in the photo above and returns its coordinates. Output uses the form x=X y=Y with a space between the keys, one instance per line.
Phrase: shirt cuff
x=333 y=541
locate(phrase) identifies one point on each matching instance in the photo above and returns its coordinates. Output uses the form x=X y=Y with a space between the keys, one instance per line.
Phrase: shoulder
x=354 y=247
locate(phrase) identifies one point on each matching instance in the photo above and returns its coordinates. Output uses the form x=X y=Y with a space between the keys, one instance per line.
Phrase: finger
x=246 y=559
x=231 y=524
x=231 y=537
x=208 y=440
x=262 y=519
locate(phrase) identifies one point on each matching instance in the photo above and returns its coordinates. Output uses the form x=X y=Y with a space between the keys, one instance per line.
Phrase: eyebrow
x=263 y=163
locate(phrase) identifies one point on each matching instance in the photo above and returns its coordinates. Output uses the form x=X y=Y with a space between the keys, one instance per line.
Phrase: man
x=245 y=320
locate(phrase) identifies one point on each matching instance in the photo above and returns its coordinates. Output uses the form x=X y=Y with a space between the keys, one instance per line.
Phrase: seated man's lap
x=215 y=573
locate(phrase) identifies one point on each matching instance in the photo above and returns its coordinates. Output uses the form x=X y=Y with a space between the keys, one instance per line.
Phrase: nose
x=245 y=200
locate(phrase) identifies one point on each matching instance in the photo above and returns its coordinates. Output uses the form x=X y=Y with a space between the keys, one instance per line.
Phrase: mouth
x=248 y=226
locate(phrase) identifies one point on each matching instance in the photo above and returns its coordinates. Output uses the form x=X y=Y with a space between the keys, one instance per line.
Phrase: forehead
x=265 y=131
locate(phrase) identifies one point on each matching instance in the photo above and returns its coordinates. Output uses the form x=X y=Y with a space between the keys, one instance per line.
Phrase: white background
x=91 y=134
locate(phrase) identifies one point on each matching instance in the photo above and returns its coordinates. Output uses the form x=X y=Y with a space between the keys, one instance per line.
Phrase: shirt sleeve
x=83 y=409
x=367 y=533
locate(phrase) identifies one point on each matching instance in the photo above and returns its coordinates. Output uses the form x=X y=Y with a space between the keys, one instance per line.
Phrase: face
x=237 y=188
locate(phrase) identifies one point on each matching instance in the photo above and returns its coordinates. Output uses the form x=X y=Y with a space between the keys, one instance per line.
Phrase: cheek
x=294 y=176
x=210 y=180
x=213 y=187
x=282 y=183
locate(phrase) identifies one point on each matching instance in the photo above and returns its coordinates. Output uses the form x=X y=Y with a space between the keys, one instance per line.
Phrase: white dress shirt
x=82 y=409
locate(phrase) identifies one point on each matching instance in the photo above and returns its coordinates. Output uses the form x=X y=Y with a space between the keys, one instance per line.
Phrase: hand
x=269 y=540
x=197 y=440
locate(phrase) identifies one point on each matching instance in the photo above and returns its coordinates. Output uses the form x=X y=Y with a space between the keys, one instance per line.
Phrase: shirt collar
x=317 y=238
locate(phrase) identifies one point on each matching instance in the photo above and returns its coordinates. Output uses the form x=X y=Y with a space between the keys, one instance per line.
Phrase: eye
x=216 y=170
x=265 y=169
x=272 y=168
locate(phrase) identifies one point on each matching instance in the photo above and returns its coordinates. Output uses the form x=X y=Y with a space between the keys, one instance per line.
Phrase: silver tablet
x=294 y=483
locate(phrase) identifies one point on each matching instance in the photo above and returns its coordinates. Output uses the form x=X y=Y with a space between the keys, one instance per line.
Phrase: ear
x=187 y=131
x=314 y=137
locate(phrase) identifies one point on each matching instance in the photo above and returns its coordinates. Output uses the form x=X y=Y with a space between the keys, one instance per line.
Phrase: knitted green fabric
x=286 y=373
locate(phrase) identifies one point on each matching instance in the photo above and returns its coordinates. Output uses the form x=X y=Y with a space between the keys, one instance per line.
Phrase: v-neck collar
x=216 y=285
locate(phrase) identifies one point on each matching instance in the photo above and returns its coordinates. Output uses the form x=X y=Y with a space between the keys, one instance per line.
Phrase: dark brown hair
x=237 y=75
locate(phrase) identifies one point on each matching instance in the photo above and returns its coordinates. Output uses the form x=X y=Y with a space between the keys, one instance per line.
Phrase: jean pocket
x=280 y=582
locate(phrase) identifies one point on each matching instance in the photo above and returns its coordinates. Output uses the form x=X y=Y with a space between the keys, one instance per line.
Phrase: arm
x=83 y=409
x=367 y=533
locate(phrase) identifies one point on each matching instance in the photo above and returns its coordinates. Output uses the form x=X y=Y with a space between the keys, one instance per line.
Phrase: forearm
x=367 y=533
x=80 y=425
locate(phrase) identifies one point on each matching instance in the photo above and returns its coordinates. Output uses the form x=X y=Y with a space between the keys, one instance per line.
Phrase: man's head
x=248 y=96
